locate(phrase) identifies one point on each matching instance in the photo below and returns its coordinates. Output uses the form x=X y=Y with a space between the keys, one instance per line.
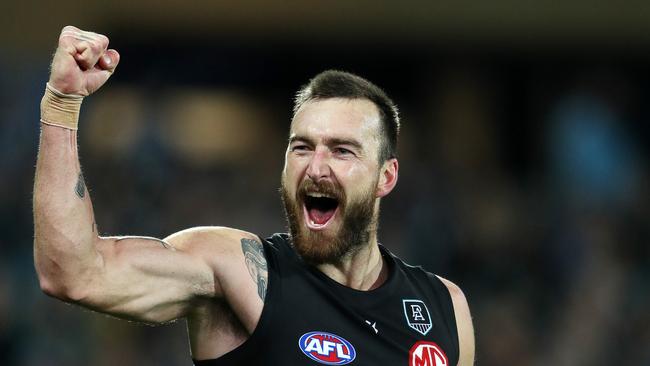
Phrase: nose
x=319 y=167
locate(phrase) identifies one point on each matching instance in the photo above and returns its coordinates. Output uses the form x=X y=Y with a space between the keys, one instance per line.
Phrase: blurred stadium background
x=524 y=156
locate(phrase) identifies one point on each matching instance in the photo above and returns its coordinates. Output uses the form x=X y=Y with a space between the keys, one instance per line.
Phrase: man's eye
x=342 y=151
x=299 y=148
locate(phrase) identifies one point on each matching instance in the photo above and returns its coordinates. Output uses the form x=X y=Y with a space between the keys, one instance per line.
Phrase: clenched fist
x=82 y=62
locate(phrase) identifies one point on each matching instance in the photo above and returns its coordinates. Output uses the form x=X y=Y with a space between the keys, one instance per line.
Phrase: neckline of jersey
x=385 y=289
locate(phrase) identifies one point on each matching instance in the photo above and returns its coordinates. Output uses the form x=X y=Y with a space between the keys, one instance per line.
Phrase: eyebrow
x=328 y=141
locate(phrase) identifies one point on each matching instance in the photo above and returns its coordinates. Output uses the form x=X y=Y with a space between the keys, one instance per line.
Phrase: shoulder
x=456 y=293
x=463 y=323
x=208 y=236
x=212 y=242
x=232 y=254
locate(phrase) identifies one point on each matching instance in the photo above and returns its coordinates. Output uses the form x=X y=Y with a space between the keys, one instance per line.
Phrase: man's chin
x=318 y=246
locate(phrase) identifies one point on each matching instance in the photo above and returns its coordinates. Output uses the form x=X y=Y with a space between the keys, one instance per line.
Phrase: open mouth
x=319 y=209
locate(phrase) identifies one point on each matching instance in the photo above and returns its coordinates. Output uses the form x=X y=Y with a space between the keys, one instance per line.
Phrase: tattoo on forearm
x=80 y=187
x=256 y=264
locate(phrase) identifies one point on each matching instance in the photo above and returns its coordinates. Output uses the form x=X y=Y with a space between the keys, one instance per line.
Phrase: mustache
x=324 y=187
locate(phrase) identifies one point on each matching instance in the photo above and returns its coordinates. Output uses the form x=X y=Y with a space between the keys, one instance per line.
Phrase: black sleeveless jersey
x=309 y=319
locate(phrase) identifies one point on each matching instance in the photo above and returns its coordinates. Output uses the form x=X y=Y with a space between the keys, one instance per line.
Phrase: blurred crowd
x=526 y=182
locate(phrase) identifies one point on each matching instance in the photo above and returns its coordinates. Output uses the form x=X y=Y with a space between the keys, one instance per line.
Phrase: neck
x=364 y=270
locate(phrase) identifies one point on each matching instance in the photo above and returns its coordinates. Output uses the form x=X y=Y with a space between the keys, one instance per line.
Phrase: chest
x=307 y=321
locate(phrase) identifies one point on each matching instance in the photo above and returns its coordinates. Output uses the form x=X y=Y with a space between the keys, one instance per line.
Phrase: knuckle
x=68 y=48
x=83 y=45
x=94 y=47
x=103 y=40
x=69 y=28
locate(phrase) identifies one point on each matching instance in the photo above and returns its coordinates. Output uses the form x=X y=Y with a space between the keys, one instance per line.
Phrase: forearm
x=64 y=228
x=135 y=277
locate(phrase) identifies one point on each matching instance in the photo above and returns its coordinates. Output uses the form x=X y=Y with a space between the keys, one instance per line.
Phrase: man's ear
x=387 y=177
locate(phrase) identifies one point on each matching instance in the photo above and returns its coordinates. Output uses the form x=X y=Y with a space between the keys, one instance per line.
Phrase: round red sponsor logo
x=425 y=353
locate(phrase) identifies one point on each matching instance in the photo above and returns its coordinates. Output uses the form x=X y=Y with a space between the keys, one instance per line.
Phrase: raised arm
x=138 y=278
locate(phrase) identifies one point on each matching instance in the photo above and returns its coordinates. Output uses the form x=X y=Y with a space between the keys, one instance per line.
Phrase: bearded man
x=326 y=293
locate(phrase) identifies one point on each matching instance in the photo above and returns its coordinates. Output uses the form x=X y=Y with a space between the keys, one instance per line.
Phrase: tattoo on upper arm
x=256 y=264
x=80 y=187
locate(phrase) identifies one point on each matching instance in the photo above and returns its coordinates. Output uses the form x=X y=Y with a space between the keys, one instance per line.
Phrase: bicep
x=147 y=279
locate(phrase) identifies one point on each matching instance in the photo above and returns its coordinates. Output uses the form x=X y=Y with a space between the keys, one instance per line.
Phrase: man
x=328 y=293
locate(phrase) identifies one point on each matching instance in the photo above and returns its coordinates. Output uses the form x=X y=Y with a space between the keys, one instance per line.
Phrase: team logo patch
x=417 y=316
x=427 y=354
x=327 y=348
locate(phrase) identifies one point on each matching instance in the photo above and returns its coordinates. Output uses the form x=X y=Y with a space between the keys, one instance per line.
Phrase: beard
x=320 y=247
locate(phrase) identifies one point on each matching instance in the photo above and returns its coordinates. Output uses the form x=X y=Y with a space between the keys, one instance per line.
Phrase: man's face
x=330 y=177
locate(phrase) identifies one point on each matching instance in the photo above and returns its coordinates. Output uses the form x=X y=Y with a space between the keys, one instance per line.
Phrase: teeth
x=318 y=195
x=315 y=224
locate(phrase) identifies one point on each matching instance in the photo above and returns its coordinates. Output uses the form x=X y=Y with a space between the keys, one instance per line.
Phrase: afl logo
x=427 y=354
x=327 y=348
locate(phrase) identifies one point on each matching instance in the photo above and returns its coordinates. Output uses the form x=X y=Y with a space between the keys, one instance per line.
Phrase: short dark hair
x=340 y=84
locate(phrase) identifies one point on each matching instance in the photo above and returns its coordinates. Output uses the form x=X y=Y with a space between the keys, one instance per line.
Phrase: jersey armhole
x=233 y=356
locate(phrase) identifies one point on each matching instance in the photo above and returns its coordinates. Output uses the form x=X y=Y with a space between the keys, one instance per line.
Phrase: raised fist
x=82 y=62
